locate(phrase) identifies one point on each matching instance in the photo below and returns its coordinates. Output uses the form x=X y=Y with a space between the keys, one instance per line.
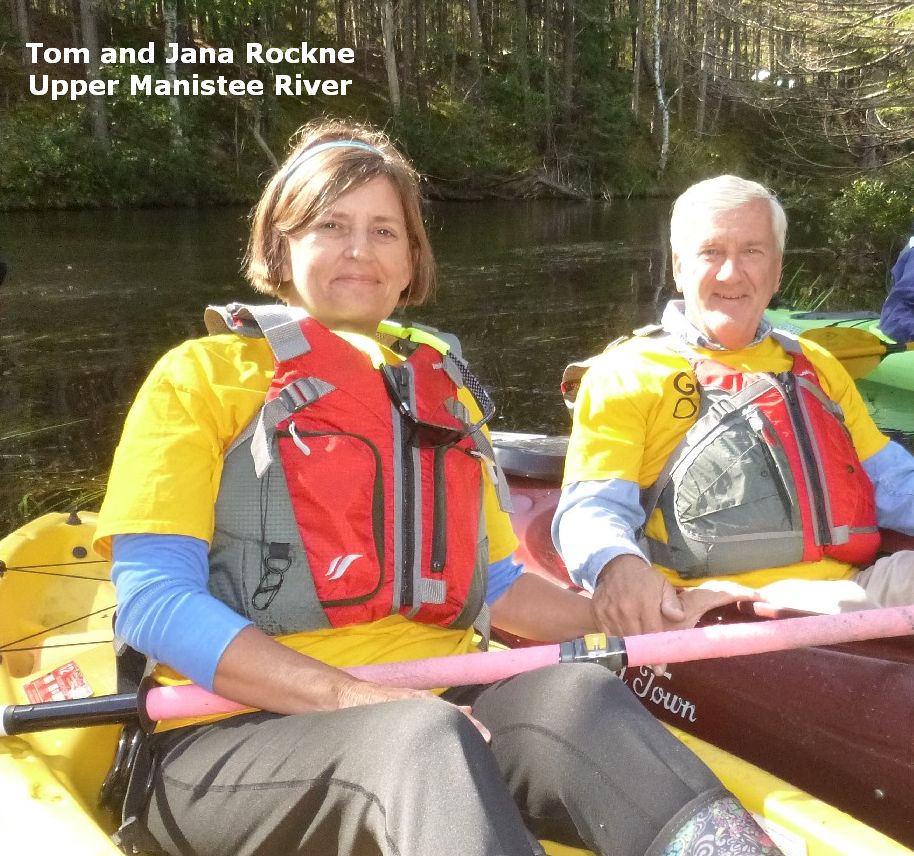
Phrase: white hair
x=723 y=193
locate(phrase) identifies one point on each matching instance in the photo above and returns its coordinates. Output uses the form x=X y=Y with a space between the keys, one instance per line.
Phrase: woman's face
x=351 y=265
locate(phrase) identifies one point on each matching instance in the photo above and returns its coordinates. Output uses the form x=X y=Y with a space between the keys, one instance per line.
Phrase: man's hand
x=633 y=597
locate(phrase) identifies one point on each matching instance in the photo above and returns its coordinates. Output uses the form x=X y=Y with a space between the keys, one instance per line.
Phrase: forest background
x=491 y=98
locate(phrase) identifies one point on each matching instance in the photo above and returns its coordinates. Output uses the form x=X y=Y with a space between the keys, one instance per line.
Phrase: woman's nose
x=357 y=245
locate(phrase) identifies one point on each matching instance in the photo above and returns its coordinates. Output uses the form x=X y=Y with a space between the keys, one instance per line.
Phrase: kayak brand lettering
x=642 y=685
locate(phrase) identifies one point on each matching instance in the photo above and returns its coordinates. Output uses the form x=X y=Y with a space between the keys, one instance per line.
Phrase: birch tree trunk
x=388 y=29
x=98 y=113
x=663 y=109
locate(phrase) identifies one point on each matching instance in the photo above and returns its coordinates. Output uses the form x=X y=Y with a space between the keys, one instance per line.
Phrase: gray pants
x=573 y=758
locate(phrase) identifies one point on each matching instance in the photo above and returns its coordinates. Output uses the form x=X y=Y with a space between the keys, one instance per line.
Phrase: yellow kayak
x=56 y=611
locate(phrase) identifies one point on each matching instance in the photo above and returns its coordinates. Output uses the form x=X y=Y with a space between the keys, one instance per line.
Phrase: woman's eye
x=384 y=232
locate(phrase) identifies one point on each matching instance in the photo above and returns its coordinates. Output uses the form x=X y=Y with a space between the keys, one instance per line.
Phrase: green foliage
x=457 y=141
x=50 y=161
x=870 y=218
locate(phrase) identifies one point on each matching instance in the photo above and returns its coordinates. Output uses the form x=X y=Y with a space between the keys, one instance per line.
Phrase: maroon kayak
x=836 y=721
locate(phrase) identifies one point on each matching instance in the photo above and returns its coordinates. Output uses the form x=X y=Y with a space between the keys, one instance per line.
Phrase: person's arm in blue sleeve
x=164 y=608
x=595 y=522
x=891 y=470
x=897 y=319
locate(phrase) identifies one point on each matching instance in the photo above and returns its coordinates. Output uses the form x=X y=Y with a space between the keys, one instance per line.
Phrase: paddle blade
x=859 y=350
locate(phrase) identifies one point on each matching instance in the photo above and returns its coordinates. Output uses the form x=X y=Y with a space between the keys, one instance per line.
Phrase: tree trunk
x=388 y=29
x=185 y=27
x=523 y=62
x=407 y=40
x=568 y=70
x=20 y=10
x=637 y=10
x=703 y=81
x=475 y=40
x=548 y=131
x=98 y=112
x=340 y=9
x=421 y=36
x=170 y=19
x=663 y=109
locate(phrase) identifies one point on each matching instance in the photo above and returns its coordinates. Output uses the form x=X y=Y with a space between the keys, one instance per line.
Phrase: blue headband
x=309 y=153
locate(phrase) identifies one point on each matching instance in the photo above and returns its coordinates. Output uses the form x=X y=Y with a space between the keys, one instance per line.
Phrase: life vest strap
x=292 y=398
x=280 y=325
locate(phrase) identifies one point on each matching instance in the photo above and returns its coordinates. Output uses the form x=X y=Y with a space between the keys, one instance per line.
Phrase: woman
x=314 y=499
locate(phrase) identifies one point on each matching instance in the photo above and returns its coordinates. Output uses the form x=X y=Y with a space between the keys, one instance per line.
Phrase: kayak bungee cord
x=154 y=703
x=6 y=647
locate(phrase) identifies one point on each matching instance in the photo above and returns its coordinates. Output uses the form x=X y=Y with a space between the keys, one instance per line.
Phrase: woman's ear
x=285 y=261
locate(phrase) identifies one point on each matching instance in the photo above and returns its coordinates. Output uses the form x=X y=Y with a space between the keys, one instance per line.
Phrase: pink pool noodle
x=676 y=646
x=733 y=640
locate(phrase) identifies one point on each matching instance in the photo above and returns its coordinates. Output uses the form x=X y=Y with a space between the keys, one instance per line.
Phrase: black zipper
x=409 y=501
x=439 y=523
x=817 y=489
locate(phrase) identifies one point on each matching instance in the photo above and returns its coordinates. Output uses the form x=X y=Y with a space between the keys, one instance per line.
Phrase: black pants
x=573 y=758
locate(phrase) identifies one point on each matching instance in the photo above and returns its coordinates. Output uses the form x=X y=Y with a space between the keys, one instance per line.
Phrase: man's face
x=728 y=267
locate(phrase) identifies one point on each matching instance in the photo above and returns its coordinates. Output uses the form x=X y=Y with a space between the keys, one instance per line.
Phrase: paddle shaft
x=726 y=640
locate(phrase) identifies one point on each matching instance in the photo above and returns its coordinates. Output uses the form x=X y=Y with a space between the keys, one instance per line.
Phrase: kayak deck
x=888 y=390
x=56 y=609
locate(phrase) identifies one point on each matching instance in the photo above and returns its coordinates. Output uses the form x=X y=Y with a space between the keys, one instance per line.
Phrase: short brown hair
x=304 y=188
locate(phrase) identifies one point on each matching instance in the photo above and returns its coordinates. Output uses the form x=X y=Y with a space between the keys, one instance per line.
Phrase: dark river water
x=93 y=298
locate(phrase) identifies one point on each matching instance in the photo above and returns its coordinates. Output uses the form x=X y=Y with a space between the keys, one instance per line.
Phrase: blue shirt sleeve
x=891 y=470
x=164 y=608
x=596 y=521
x=502 y=575
x=897 y=318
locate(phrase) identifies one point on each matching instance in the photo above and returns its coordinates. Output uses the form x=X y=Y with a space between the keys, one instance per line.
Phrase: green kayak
x=889 y=388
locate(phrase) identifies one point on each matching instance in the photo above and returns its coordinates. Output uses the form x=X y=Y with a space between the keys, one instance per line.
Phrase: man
x=757 y=488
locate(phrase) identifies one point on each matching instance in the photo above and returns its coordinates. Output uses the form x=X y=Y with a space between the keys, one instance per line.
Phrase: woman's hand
x=258 y=671
x=358 y=693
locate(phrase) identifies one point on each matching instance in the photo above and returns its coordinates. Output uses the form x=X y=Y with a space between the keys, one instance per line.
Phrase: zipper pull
x=293 y=433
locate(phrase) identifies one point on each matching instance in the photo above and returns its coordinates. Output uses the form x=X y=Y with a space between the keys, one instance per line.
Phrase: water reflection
x=94 y=298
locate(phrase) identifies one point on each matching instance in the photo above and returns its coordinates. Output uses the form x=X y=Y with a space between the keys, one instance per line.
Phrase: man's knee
x=890 y=581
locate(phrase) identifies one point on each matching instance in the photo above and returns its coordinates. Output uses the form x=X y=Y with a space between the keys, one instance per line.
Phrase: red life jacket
x=369 y=521
x=767 y=476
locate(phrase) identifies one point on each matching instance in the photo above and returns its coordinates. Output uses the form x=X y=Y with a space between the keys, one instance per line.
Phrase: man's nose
x=727 y=270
